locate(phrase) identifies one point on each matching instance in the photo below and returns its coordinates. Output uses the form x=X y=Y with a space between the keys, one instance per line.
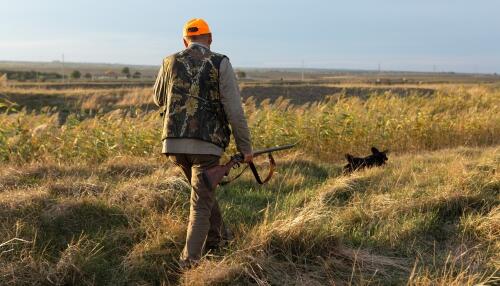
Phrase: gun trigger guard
x=236 y=166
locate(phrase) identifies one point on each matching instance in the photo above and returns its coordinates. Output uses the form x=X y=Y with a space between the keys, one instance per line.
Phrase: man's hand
x=247 y=158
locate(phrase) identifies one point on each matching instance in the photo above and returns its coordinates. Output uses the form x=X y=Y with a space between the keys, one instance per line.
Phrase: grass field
x=88 y=200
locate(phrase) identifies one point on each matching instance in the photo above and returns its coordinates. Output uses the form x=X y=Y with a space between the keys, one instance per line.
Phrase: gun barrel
x=274 y=149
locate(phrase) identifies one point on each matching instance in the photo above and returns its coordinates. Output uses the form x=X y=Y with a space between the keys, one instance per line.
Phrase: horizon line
x=298 y=68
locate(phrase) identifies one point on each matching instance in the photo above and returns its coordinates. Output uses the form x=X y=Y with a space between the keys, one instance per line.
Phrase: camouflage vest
x=194 y=109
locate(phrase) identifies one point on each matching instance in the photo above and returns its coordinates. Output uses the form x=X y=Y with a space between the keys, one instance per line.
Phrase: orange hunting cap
x=196 y=27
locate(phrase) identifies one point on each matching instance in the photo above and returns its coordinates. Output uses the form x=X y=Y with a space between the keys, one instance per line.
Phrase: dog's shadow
x=341 y=195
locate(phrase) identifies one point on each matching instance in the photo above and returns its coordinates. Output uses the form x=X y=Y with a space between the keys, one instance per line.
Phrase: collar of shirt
x=194 y=44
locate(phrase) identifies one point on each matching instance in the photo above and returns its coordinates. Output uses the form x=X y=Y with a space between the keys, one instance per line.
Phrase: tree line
x=76 y=74
x=30 y=75
x=43 y=76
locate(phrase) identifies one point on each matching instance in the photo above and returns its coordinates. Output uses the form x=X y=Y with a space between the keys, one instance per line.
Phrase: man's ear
x=209 y=39
x=375 y=150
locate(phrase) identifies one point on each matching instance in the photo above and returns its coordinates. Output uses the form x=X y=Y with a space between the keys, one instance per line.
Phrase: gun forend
x=273 y=149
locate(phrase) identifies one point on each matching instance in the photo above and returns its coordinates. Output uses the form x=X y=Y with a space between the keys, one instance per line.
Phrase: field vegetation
x=86 y=197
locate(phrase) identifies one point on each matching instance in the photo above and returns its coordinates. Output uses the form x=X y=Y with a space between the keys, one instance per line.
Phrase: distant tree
x=111 y=74
x=88 y=76
x=126 y=72
x=76 y=74
x=241 y=74
x=137 y=75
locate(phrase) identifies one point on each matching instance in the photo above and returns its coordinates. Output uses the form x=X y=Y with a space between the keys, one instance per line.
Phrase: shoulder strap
x=272 y=166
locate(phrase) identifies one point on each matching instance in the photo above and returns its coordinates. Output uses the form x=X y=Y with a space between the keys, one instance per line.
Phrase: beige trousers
x=205 y=220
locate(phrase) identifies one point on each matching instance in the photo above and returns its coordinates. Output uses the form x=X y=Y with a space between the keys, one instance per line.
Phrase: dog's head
x=380 y=157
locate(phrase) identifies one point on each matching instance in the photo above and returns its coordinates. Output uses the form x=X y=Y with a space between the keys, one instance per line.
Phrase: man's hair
x=198 y=38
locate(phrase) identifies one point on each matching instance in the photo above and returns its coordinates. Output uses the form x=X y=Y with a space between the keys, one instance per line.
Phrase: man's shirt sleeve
x=231 y=101
x=159 y=90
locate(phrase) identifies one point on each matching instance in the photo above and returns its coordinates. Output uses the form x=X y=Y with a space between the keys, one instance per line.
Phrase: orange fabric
x=196 y=27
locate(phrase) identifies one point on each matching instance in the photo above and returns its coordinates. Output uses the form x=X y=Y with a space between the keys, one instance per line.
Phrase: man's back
x=194 y=109
x=226 y=101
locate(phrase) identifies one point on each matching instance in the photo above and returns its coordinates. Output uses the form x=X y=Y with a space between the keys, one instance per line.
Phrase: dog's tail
x=349 y=157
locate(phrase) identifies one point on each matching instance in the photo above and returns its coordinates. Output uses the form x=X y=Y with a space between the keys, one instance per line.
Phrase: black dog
x=376 y=159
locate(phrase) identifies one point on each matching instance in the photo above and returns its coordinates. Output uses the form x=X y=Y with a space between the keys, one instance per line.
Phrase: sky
x=416 y=35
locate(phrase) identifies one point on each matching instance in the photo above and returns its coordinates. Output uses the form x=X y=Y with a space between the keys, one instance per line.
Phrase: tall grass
x=92 y=202
x=348 y=124
x=452 y=117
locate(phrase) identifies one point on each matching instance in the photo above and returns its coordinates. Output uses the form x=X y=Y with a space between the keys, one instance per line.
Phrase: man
x=198 y=94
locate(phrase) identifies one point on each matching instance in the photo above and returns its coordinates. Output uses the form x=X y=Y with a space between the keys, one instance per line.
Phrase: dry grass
x=92 y=202
x=398 y=224
x=425 y=227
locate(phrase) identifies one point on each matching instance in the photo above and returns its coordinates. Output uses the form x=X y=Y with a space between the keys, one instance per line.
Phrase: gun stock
x=214 y=175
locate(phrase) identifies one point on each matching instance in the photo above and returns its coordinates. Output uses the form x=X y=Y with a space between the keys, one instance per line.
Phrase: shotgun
x=213 y=176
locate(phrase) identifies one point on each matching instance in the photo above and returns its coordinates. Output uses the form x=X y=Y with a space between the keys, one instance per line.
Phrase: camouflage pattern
x=193 y=108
